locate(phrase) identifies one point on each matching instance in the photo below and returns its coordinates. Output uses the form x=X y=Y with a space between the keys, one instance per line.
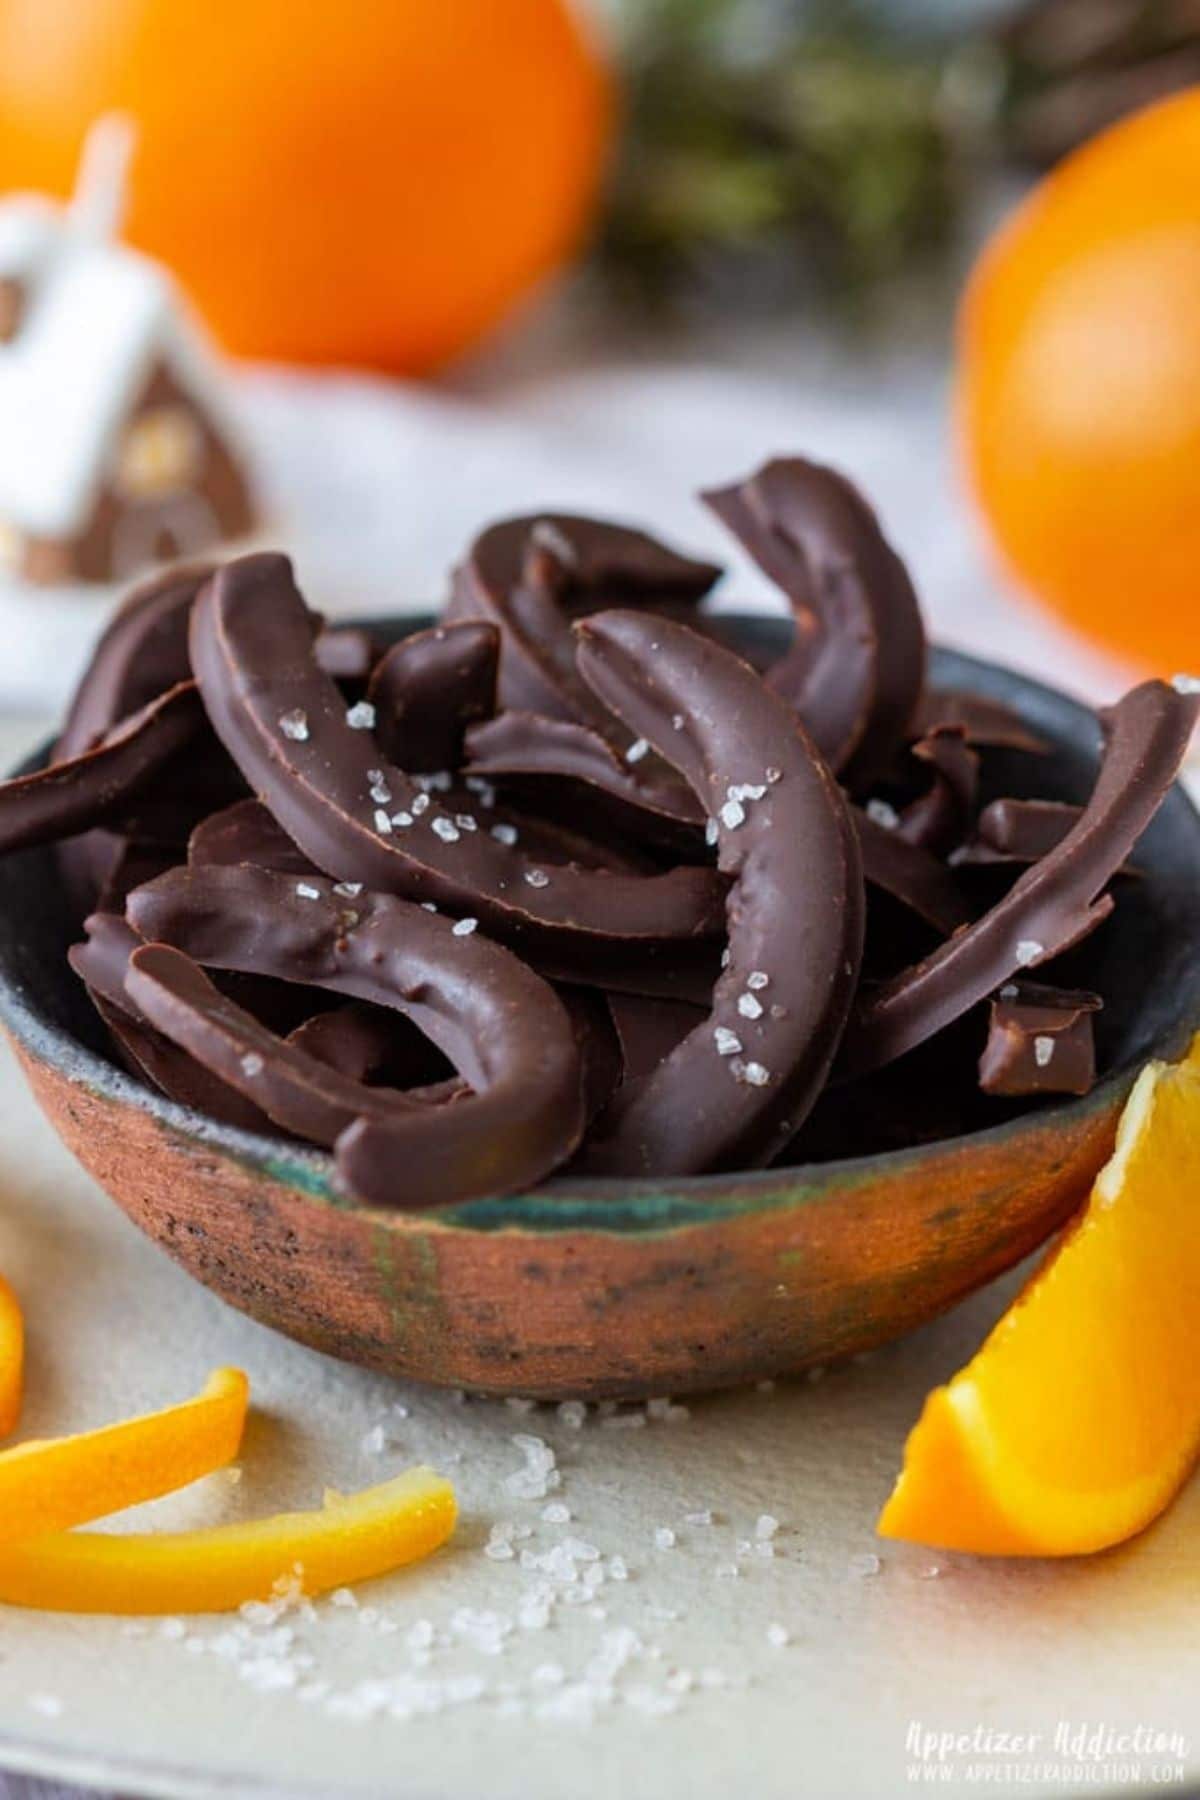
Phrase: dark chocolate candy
x=429 y=688
x=378 y=1047
x=910 y=874
x=939 y=819
x=856 y=669
x=988 y=723
x=1018 y=831
x=530 y=576
x=360 y=819
x=649 y=1029
x=503 y=1028
x=246 y=833
x=1052 y=905
x=1040 y=1041
x=100 y=783
x=733 y=1091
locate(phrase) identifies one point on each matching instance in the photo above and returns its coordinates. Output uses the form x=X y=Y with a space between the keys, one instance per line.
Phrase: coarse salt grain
x=733 y=814
x=882 y=814
x=537 y=878
x=294 y=725
x=556 y=1513
x=664 y=1538
x=766 y=1525
x=464 y=927
x=676 y=721
x=749 y=1007
x=383 y=824
x=636 y=750
x=755 y=1074
x=361 y=716
x=446 y=830
x=505 y=834
x=757 y=980
x=252 y=1063
x=420 y=805
x=1043 y=1050
x=1009 y=991
x=306 y=891
x=728 y=1042
x=351 y=889
x=466 y=821
x=1028 y=951
x=402 y=819
x=712 y=831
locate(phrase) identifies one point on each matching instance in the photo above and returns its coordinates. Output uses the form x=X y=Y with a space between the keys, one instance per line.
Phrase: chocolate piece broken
x=1040 y=1041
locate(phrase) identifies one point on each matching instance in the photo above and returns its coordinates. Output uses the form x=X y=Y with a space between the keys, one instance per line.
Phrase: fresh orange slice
x=1079 y=1419
x=349 y=1539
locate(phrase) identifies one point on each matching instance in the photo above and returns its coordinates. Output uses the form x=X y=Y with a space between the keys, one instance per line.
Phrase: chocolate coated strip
x=940 y=818
x=502 y=1027
x=529 y=576
x=246 y=833
x=735 y=1089
x=522 y=743
x=300 y=1093
x=1018 y=831
x=988 y=723
x=648 y=1030
x=910 y=874
x=380 y=1049
x=97 y=785
x=429 y=688
x=1040 y=1041
x=856 y=668
x=1053 y=904
x=362 y=820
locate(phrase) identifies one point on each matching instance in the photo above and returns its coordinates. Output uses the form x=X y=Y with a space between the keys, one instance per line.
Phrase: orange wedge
x=12 y=1358
x=1079 y=1419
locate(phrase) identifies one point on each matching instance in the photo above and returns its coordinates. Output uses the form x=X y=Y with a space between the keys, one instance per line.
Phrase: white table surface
x=376 y=490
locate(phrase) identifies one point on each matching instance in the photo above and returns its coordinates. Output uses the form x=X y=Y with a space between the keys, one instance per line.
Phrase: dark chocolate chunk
x=429 y=688
x=503 y=1028
x=1052 y=905
x=100 y=783
x=377 y=1047
x=1018 y=831
x=361 y=819
x=856 y=668
x=939 y=819
x=733 y=1091
x=1040 y=1041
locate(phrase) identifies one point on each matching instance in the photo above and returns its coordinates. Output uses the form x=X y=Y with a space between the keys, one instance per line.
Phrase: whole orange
x=372 y=182
x=1079 y=386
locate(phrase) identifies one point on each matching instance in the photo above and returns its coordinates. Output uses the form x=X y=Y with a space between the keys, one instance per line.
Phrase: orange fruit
x=1079 y=386
x=374 y=183
x=1079 y=1419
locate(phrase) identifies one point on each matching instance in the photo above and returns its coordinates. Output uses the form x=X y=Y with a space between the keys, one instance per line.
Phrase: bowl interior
x=1145 y=961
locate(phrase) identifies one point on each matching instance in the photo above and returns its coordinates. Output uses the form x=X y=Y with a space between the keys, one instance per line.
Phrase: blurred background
x=465 y=258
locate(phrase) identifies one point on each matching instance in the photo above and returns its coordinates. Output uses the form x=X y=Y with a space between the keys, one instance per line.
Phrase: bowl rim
x=625 y=1206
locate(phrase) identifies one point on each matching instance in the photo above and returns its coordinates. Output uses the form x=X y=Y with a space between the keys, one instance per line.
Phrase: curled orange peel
x=51 y=1484
x=1078 y=1421
x=349 y=1539
x=12 y=1358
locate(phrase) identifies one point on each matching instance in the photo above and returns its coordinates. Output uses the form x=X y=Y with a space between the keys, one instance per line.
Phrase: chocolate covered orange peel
x=1078 y=1421
x=349 y=1539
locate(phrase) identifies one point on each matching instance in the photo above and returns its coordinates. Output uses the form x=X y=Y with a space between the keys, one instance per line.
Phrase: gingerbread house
x=115 y=452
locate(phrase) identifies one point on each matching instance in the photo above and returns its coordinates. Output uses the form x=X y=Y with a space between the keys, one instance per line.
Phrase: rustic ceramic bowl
x=620 y=1288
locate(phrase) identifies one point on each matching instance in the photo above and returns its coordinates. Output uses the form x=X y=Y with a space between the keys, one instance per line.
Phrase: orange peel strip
x=1078 y=1421
x=350 y=1539
x=50 y=1484
x=12 y=1359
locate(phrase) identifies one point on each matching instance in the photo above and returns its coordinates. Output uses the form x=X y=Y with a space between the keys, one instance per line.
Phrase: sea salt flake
x=361 y=716
x=711 y=831
x=749 y=1007
x=1029 y=951
x=753 y=1073
x=757 y=980
x=430 y=906
x=351 y=889
x=537 y=878
x=402 y=819
x=1043 y=1050
x=1009 y=991
x=883 y=814
x=306 y=891
x=773 y=775
x=676 y=721
x=766 y=1525
x=733 y=814
x=556 y=1513
x=252 y=1063
x=728 y=1042
x=446 y=830
x=294 y=725
x=505 y=834
x=464 y=927
x=383 y=824
x=637 y=750
x=466 y=821
x=420 y=805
